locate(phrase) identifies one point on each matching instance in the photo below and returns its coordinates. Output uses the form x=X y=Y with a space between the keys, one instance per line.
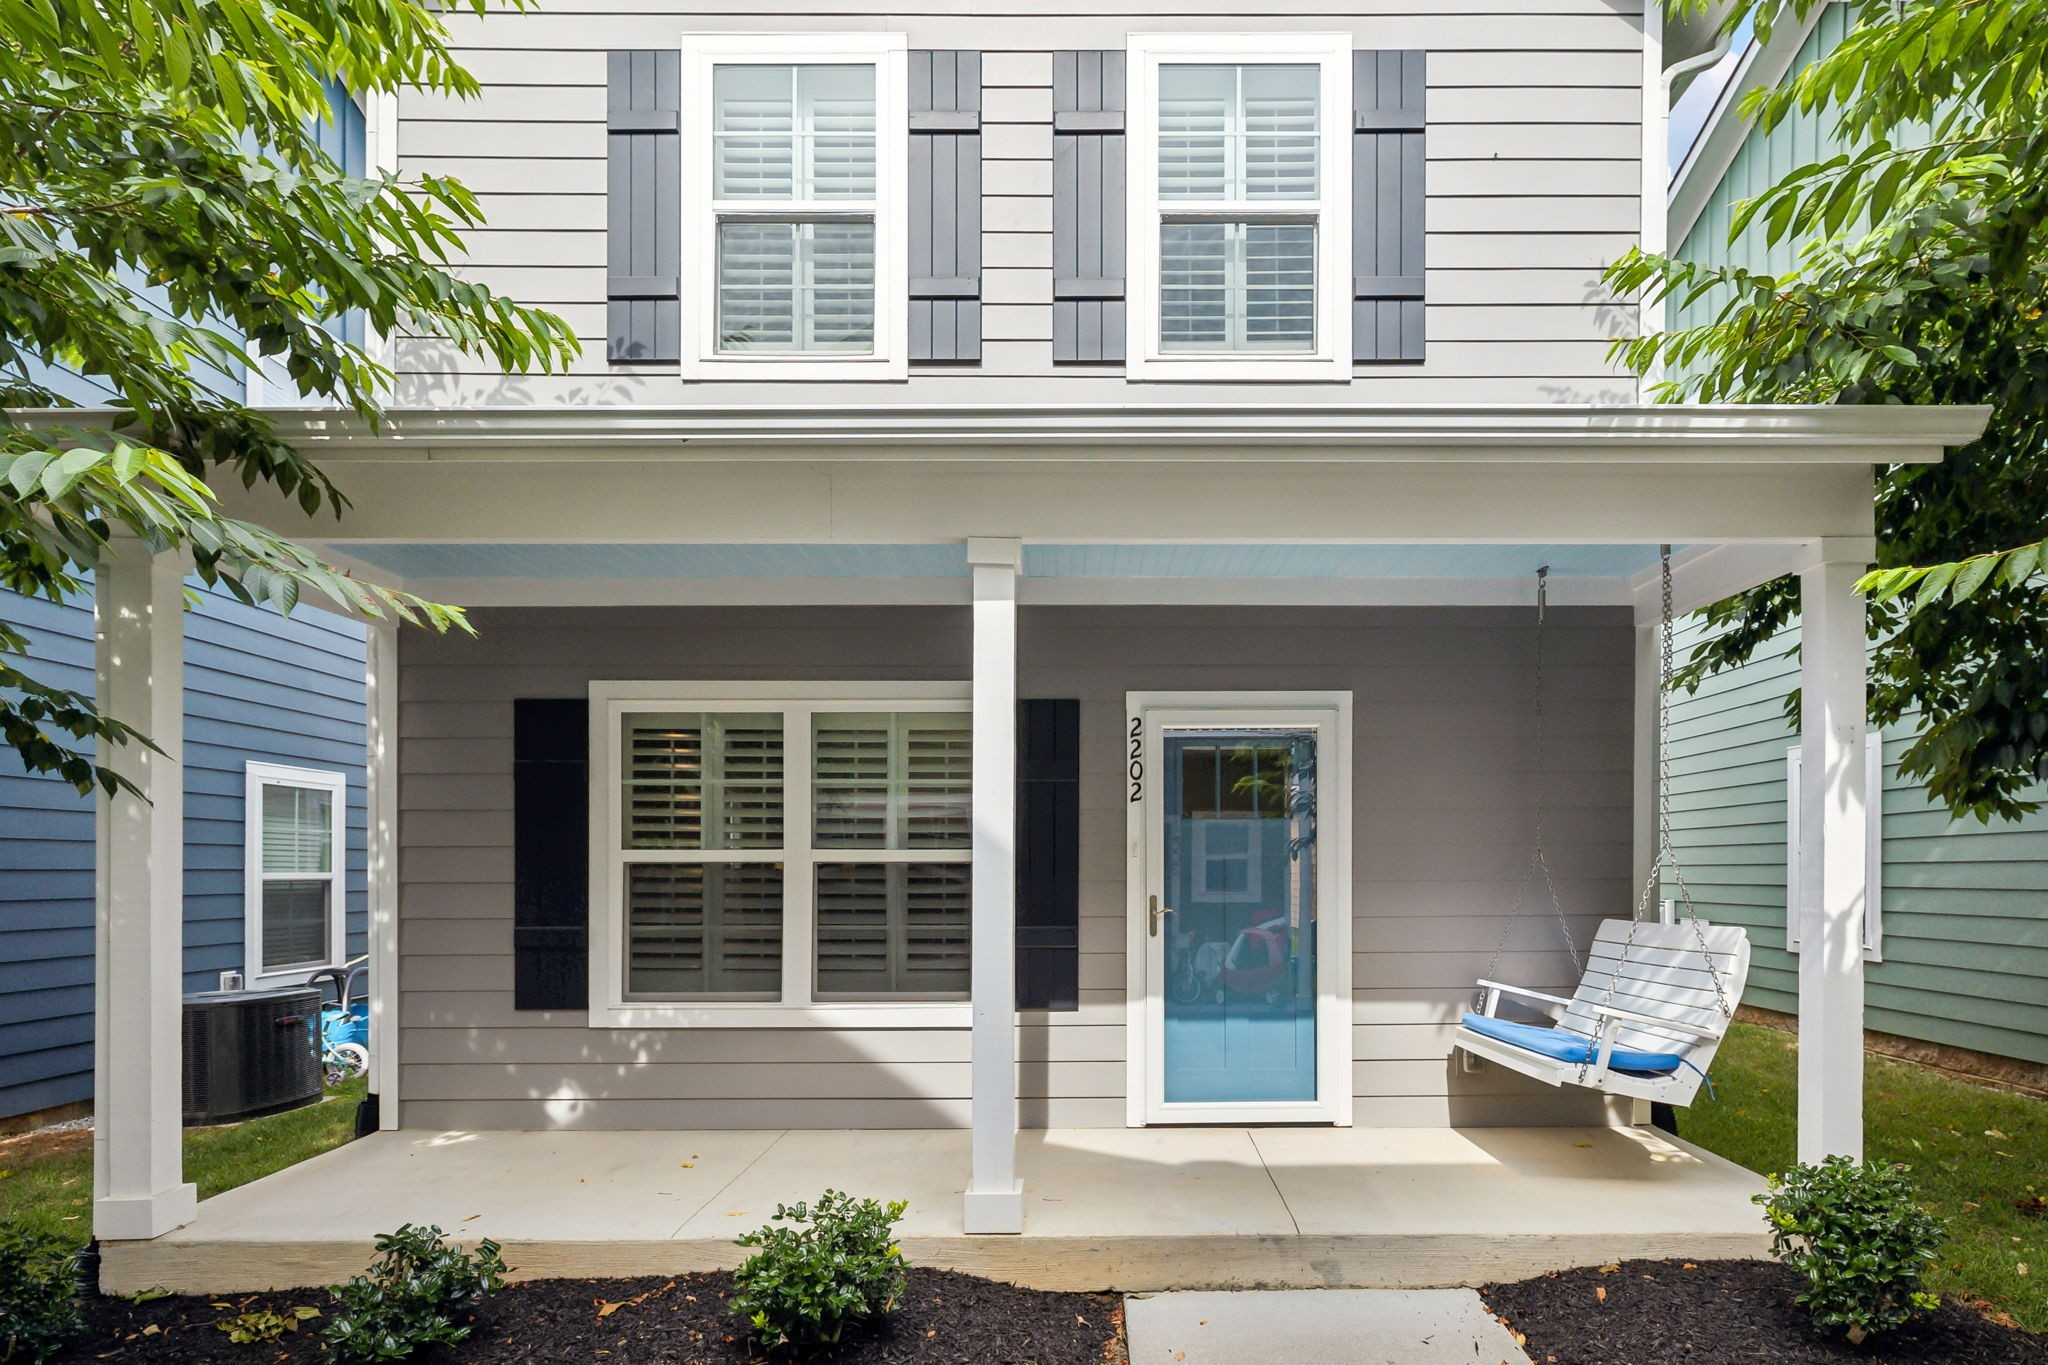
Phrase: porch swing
x=1654 y=1000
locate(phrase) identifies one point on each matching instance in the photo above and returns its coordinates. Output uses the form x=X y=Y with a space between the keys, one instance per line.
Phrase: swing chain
x=1539 y=861
x=1667 y=855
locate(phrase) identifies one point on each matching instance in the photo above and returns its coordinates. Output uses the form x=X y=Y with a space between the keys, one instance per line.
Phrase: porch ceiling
x=443 y=560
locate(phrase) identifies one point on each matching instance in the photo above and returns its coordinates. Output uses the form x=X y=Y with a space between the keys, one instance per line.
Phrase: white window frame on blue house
x=257 y=777
x=611 y=1005
x=888 y=53
x=1330 y=359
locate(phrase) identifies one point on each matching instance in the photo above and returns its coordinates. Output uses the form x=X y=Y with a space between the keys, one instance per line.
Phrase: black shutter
x=1387 y=203
x=550 y=851
x=1088 y=206
x=945 y=206
x=644 y=207
x=1048 y=854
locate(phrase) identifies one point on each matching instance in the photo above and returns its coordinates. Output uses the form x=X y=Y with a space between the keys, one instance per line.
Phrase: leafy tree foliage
x=1923 y=278
x=167 y=203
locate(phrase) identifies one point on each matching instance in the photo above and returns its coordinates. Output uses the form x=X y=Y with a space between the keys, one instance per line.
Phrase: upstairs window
x=1239 y=207
x=793 y=212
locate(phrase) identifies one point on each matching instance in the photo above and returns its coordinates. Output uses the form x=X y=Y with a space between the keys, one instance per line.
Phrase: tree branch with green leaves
x=167 y=209
x=1922 y=277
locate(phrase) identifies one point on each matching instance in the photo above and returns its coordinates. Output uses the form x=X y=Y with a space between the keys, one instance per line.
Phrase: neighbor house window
x=295 y=870
x=794 y=208
x=805 y=847
x=1239 y=206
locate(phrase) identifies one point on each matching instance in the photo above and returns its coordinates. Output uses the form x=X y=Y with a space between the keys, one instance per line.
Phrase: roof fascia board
x=1711 y=433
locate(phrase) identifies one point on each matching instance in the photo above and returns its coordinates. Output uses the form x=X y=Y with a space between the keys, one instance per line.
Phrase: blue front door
x=1238 y=825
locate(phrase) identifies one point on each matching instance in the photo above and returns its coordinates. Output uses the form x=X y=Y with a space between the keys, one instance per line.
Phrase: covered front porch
x=1119 y=1208
x=1372 y=562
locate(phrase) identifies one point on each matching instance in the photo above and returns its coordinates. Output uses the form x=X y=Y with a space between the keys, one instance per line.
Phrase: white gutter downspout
x=1657 y=93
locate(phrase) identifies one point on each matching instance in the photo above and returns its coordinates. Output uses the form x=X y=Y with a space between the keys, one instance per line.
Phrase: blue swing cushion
x=1575 y=1048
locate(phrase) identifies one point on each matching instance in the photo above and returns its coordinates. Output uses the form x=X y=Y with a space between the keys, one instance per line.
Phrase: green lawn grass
x=46 y=1180
x=1974 y=1151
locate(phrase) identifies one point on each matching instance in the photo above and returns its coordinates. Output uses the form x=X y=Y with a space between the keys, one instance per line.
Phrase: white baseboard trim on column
x=994 y=1211
x=137 y=1218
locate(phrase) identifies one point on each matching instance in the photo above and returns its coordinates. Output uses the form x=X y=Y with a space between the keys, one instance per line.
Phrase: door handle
x=1156 y=912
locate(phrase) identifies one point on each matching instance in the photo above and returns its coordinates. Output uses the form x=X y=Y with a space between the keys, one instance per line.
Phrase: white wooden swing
x=1654 y=1000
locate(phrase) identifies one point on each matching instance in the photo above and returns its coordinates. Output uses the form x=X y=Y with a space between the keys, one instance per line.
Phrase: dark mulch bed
x=1725 y=1313
x=946 y=1319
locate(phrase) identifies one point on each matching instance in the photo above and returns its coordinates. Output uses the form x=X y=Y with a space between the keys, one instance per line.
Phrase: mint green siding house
x=1957 y=947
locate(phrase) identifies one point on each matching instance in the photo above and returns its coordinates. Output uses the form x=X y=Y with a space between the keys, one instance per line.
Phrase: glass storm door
x=1234 y=946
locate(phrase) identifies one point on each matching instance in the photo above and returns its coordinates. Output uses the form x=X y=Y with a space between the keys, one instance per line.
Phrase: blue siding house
x=273 y=719
x=274 y=765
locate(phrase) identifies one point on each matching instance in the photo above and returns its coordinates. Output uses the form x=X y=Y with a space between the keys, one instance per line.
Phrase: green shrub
x=836 y=1266
x=38 y=1297
x=1860 y=1239
x=411 y=1296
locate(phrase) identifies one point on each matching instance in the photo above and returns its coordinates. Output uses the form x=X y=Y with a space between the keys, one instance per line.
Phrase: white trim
x=889 y=53
x=797 y=702
x=993 y=1201
x=1873 y=904
x=1061 y=591
x=1121 y=432
x=1146 y=714
x=257 y=776
x=138 y=1184
x=1331 y=359
x=1655 y=171
x=381 y=800
x=1714 y=150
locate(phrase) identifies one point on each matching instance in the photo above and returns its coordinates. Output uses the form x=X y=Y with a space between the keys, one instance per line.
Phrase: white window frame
x=610 y=703
x=889 y=54
x=1873 y=902
x=1330 y=361
x=1249 y=857
x=256 y=777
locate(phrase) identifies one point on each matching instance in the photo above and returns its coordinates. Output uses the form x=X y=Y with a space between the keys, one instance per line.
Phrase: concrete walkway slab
x=1318 y=1327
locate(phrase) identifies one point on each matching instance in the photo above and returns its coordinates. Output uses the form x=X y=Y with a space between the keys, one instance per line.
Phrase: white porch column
x=995 y=1200
x=381 y=704
x=1834 y=864
x=138 y=1182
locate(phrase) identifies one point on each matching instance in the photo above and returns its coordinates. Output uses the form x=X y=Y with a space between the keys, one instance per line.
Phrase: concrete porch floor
x=1128 y=1209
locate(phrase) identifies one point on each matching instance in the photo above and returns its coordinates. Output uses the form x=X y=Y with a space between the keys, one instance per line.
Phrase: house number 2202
x=1137 y=770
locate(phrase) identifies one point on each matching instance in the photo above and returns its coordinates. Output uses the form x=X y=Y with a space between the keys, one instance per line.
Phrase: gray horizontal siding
x=1965 y=949
x=258 y=687
x=1442 y=818
x=1533 y=176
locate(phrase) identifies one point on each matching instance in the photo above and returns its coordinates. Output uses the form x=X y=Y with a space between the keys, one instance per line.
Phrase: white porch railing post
x=1834 y=866
x=138 y=936
x=994 y=1200
x=381 y=705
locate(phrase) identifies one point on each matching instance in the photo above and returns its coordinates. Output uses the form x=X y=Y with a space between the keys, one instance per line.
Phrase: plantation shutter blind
x=884 y=783
x=550 y=850
x=644 y=206
x=945 y=206
x=1388 y=183
x=1088 y=166
x=1048 y=853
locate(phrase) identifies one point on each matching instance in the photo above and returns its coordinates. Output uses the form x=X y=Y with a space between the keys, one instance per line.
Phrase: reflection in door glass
x=1240 y=873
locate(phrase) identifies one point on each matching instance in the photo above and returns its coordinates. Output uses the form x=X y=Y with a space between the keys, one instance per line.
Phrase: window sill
x=1240 y=369
x=953 y=1014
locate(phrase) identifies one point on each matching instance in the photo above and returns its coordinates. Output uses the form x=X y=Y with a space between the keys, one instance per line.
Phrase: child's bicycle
x=344 y=1024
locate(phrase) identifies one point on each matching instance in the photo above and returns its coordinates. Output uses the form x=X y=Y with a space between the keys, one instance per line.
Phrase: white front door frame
x=1147 y=714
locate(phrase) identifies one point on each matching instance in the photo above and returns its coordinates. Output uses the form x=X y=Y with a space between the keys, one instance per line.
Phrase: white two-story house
x=1023 y=616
